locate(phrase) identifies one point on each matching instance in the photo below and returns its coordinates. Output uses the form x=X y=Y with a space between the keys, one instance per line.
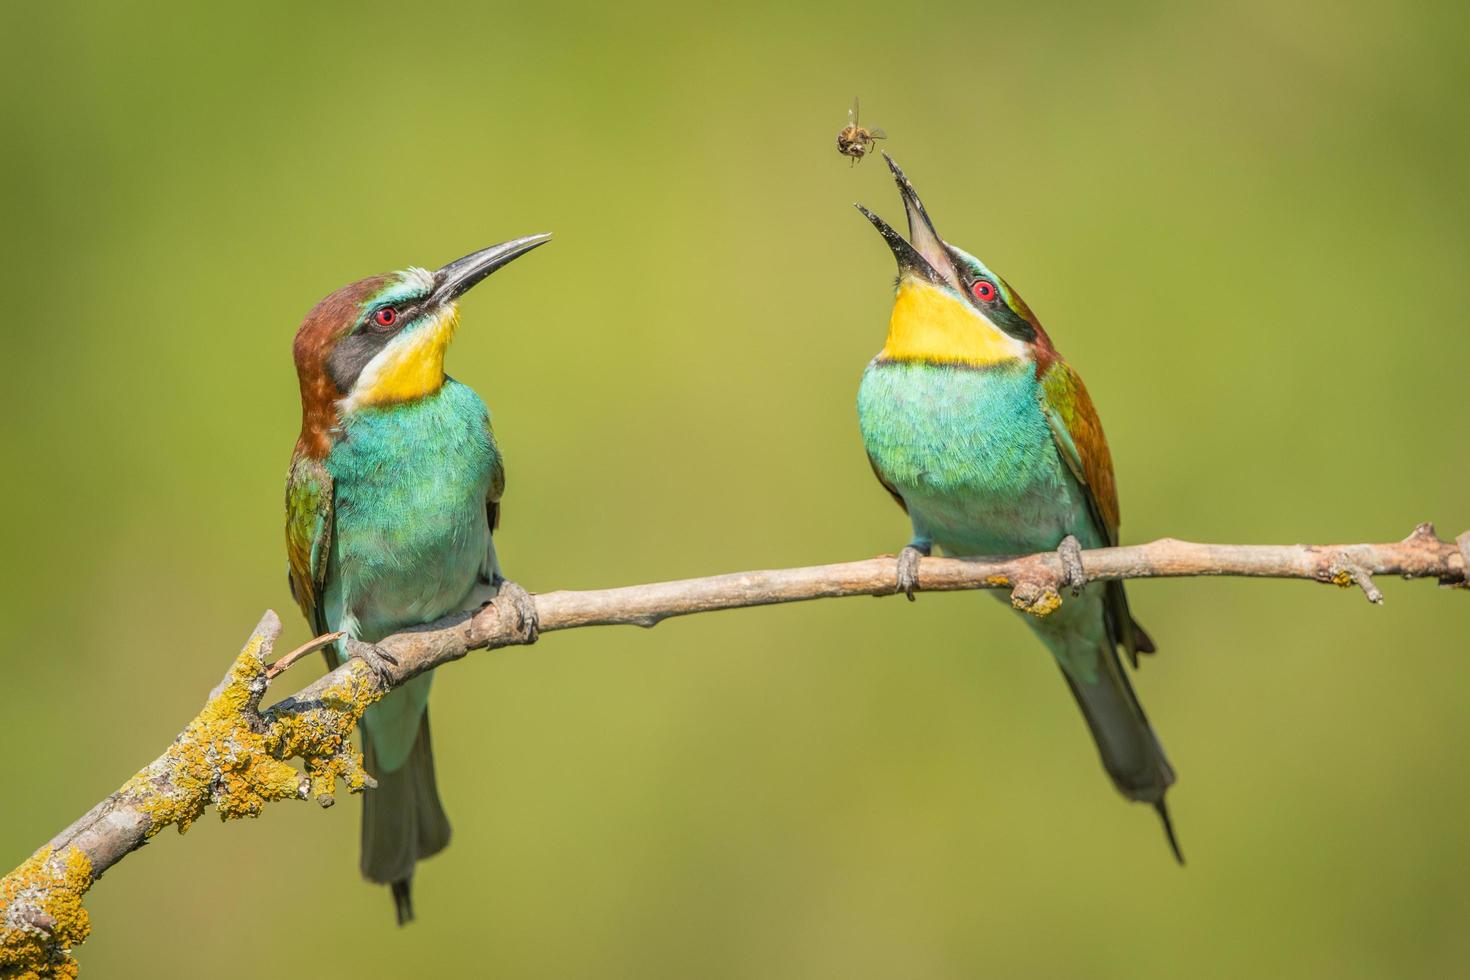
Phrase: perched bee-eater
x=988 y=439
x=393 y=494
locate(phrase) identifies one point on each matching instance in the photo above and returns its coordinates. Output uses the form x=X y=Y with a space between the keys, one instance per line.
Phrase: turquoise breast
x=411 y=536
x=972 y=456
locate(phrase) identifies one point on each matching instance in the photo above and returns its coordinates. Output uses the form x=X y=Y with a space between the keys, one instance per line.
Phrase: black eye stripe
x=999 y=312
x=357 y=349
x=405 y=312
x=353 y=353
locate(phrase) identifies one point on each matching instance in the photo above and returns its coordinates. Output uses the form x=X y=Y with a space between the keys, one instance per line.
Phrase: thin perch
x=234 y=756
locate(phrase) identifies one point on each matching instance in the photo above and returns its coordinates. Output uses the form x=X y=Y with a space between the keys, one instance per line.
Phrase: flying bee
x=855 y=140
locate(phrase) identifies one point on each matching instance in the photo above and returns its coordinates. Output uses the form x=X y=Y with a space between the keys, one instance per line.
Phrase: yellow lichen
x=237 y=759
x=997 y=581
x=41 y=915
x=220 y=758
x=1343 y=579
x=320 y=733
x=231 y=755
x=1036 y=601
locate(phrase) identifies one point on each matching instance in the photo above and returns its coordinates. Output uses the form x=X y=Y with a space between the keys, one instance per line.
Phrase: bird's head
x=381 y=340
x=949 y=308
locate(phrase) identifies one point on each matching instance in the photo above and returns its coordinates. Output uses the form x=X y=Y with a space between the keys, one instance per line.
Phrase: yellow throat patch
x=410 y=367
x=931 y=324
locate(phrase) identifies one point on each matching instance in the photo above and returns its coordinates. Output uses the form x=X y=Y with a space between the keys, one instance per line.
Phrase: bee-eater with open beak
x=988 y=439
x=393 y=494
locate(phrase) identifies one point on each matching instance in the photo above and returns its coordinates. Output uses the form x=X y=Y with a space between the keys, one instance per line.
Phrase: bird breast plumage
x=412 y=535
x=971 y=453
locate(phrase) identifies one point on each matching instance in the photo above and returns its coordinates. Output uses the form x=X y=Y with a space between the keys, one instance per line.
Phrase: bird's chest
x=970 y=452
x=411 y=534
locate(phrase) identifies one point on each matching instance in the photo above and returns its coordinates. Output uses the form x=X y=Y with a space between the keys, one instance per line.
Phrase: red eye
x=386 y=316
x=984 y=291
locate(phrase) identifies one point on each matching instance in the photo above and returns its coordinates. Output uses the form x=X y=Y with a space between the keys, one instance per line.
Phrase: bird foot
x=378 y=659
x=908 y=570
x=517 y=606
x=1069 y=552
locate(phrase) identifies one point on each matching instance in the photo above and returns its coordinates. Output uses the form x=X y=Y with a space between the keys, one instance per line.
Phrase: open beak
x=459 y=276
x=923 y=254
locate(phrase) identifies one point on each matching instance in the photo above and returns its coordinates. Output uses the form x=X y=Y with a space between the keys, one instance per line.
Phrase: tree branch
x=235 y=756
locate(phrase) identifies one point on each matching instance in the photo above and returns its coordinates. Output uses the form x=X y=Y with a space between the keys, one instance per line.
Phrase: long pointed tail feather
x=1126 y=743
x=403 y=821
x=1163 y=809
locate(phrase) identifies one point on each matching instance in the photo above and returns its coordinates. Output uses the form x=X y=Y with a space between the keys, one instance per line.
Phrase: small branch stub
x=1035 y=598
x=290 y=659
x=1345 y=575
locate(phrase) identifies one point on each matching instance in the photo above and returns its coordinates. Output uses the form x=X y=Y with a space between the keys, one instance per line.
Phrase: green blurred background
x=1244 y=223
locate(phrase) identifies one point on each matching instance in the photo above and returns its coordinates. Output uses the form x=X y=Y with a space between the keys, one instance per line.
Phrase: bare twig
x=234 y=756
x=286 y=662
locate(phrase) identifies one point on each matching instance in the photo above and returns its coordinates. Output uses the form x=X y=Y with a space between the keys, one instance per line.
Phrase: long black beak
x=459 y=276
x=910 y=262
x=923 y=254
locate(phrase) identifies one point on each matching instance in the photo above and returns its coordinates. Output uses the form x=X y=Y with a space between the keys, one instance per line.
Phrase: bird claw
x=1069 y=552
x=377 y=659
x=908 y=570
x=513 y=599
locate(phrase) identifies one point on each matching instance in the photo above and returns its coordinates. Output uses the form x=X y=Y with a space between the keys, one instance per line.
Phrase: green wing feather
x=497 y=484
x=491 y=572
x=898 y=497
x=1078 y=434
x=309 y=535
x=1080 y=442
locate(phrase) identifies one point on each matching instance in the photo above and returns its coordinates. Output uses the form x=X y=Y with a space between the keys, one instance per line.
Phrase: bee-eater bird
x=393 y=494
x=988 y=439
